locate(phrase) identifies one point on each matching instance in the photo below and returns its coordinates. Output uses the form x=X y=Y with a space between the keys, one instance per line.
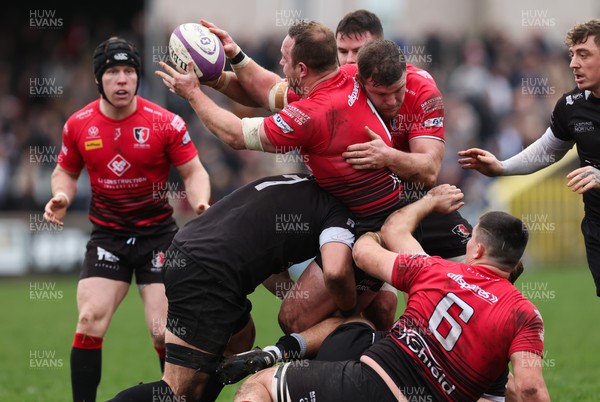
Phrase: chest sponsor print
x=118 y=165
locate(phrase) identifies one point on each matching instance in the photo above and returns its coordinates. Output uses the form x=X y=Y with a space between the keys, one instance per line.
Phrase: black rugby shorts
x=119 y=257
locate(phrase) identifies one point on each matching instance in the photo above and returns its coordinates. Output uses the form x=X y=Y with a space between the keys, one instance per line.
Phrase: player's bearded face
x=119 y=85
x=585 y=64
x=289 y=68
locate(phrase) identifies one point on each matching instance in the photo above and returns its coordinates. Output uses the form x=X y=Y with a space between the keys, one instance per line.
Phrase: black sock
x=212 y=389
x=290 y=347
x=86 y=369
x=153 y=391
x=160 y=350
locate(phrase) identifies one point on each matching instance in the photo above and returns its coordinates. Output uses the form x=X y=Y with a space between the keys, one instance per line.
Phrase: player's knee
x=291 y=320
x=382 y=311
x=286 y=322
x=90 y=321
x=157 y=332
x=257 y=386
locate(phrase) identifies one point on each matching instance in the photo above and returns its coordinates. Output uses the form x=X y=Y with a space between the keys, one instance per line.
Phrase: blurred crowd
x=498 y=95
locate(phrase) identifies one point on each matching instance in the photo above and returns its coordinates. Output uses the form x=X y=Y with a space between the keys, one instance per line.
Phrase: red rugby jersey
x=422 y=112
x=128 y=161
x=321 y=126
x=460 y=327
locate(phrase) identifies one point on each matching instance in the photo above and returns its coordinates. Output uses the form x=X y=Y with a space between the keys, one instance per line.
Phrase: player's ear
x=303 y=69
x=479 y=250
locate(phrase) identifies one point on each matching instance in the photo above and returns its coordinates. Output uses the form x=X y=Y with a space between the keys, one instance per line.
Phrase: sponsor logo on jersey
x=186 y=138
x=93 y=132
x=86 y=113
x=93 y=144
x=419 y=347
x=434 y=122
x=64 y=149
x=177 y=123
x=118 y=165
x=477 y=291
x=462 y=231
x=583 y=127
x=570 y=99
x=117 y=133
x=279 y=122
x=299 y=116
x=141 y=134
x=430 y=105
x=354 y=95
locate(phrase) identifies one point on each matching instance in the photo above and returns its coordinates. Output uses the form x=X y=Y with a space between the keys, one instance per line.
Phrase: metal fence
x=549 y=209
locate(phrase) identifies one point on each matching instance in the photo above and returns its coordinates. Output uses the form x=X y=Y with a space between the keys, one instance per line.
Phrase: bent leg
x=187 y=368
x=312 y=305
x=382 y=310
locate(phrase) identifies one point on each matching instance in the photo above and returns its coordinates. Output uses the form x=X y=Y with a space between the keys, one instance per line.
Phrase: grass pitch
x=39 y=315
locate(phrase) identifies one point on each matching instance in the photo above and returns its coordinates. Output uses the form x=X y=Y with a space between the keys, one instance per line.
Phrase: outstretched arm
x=398 y=227
x=481 y=160
x=371 y=251
x=233 y=131
x=545 y=151
x=251 y=83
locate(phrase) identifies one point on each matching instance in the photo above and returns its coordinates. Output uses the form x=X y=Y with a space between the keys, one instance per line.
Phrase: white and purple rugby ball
x=194 y=42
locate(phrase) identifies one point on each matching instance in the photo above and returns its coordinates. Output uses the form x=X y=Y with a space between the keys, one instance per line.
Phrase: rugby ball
x=194 y=42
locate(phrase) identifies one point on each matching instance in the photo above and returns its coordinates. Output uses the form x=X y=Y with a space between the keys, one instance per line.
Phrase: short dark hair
x=382 y=61
x=358 y=22
x=504 y=236
x=314 y=45
x=580 y=32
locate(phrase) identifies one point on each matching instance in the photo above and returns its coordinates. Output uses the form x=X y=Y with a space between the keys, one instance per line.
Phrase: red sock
x=161 y=351
x=86 y=366
x=83 y=341
x=161 y=356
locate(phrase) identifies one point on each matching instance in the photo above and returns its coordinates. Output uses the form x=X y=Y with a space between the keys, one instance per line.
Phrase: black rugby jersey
x=576 y=117
x=265 y=227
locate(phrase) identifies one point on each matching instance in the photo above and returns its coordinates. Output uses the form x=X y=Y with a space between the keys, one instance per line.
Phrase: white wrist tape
x=544 y=152
x=66 y=197
x=251 y=129
x=223 y=81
